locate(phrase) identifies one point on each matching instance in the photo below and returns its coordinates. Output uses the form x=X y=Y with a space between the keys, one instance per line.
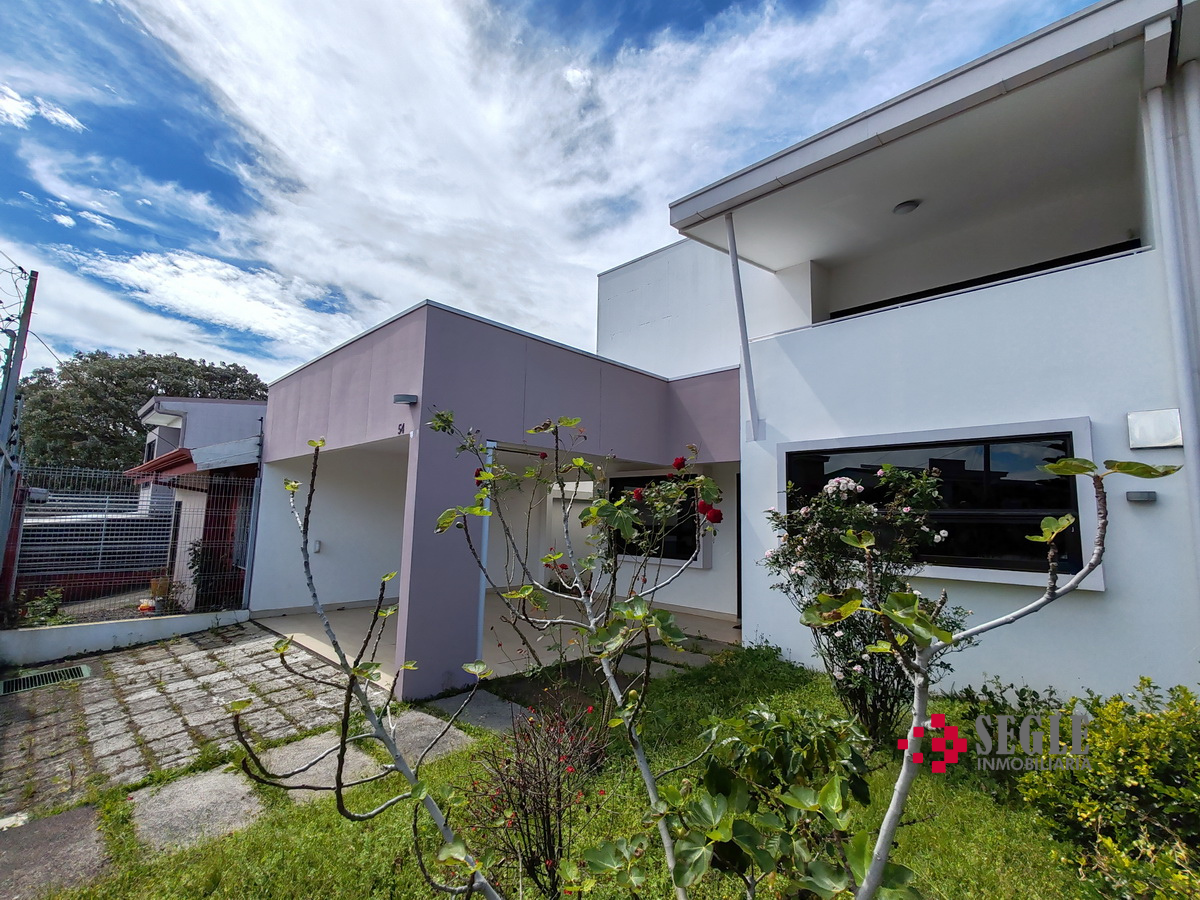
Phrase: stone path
x=148 y=708
x=156 y=707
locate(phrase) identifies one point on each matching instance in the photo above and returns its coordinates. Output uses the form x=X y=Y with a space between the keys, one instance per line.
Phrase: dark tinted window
x=680 y=541
x=993 y=494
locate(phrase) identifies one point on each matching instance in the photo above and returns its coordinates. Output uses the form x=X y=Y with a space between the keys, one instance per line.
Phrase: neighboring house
x=994 y=269
x=201 y=462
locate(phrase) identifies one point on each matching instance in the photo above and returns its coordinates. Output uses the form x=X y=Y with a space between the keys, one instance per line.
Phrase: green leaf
x=238 y=706
x=604 y=859
x=862 y=540
x=388 y=577
x=368 y=671
x=705 y=812
x=388 y=611
x=291 y=485
x=830 y=797
x=410 y=665
x=828 y=610
x=693 y=853
x=319 y=442
x=455 y=850
x=479 y=669
x=445 y=520
x=1140 y=470
x=568 y=421
x=880 y=647
x=283 y=645
x=858 y=855
x=1070 y=465
x=823 y=879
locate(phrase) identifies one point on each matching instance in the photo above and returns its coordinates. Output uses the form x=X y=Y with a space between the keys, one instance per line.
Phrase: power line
x=47 y=346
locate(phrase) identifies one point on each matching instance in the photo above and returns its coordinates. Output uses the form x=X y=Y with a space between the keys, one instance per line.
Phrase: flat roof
x=1057 y=46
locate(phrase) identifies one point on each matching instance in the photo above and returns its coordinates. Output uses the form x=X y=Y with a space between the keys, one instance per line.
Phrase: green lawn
x=963 y=843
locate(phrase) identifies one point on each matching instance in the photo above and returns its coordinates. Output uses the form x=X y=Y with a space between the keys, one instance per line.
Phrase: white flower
x=924 y=527
x=858 y=669
x=839 y=633
x=838 y=675
x=937 y=538
x=804 y=510
x=859 y=488
x=943 y=534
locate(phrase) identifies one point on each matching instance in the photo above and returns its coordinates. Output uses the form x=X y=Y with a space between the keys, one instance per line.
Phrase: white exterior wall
x=357 y=516
x=192 y=505
x=671 y=312
x=1093 y=341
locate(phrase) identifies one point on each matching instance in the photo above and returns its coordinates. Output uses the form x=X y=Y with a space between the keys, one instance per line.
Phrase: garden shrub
x=813 y=559
x=531 y=795
x=1135 y=813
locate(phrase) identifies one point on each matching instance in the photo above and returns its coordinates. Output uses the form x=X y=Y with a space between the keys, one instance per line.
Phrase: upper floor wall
x=178 y=423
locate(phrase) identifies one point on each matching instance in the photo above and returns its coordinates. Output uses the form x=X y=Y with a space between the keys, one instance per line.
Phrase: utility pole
x=9 y=466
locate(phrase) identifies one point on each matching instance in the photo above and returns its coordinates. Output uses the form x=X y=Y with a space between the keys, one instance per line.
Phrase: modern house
x=992 y=270
x=995 y=269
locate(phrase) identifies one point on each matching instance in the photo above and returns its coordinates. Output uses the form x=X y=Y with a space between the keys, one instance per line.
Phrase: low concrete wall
x=29 y=646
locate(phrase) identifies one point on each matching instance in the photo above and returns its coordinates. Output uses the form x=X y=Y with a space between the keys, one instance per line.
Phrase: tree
x=84 y=414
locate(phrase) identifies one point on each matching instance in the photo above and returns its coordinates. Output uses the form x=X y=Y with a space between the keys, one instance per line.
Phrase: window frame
x=1081 y=438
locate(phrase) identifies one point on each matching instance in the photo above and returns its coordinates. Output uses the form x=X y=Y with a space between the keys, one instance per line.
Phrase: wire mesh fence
x=98 y=545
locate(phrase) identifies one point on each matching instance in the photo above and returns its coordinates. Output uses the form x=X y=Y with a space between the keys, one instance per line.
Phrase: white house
x=996 y=268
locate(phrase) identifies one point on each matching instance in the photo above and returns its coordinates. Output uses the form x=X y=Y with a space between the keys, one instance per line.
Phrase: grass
x=964 y=844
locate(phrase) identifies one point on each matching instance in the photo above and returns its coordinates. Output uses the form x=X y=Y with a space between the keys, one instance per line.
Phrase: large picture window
x=993 y=494
x=680 y=541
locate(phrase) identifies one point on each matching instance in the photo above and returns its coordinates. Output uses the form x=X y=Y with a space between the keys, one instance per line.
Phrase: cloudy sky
x=258 y=180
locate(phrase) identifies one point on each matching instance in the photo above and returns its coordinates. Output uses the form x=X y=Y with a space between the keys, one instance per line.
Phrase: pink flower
x=880 y=473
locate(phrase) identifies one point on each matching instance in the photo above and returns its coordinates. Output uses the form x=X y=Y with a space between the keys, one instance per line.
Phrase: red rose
x=478 y=480
x=679 y=463
x=714 y=515
x=637 y=495
x=702 y=507
x=542 y=455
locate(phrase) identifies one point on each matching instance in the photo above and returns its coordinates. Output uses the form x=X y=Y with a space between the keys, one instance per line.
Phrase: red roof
x=177 y=462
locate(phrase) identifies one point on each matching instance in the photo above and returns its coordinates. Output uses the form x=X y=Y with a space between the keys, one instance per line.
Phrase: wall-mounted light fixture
x=410 y=399
x=1141 y=496
x=1152 y=428
x=905 y=207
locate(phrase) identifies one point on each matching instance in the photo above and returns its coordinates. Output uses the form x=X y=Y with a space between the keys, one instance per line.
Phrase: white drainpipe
x=752 y=427
x=1171 y=245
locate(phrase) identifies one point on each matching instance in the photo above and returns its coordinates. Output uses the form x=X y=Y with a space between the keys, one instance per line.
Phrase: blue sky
x=255 y=182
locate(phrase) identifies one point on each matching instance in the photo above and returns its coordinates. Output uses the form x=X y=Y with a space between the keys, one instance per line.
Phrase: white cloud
x=448 y=151
x=65 y=221
x=16 y=110
x=258 y=302
x=97 y=220
x=72 y=313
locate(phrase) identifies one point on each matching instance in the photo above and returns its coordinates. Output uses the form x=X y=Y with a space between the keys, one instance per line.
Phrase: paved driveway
x=151 y=707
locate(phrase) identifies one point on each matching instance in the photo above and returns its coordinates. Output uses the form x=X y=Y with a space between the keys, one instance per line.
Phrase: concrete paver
x=292 y=756
x=58 y=851
x=182 y=812
x=485 y=711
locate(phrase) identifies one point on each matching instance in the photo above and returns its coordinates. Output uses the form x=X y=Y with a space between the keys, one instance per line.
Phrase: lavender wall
x=501 y=382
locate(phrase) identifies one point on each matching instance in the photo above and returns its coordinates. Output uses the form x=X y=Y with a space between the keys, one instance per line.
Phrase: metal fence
x=98 y=545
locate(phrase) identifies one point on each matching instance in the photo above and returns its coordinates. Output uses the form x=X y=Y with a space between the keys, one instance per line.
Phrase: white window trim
x=703 y=559
x=1081 y=436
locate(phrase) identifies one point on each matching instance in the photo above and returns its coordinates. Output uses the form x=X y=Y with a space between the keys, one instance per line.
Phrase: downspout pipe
x=752 y=427
x=1171 y=243
x=489 y=458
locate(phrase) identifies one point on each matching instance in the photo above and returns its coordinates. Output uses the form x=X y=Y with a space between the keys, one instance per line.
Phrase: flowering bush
x=532 y=795
x=813 y=558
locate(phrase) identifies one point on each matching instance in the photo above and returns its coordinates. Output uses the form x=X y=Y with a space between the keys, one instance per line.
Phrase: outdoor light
x=1141 y=496
x=905 y=207
x=410 y=399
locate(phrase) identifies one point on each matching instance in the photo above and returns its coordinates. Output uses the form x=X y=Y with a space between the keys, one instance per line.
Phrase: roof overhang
x=177 y=462
x=811 y=170
x=227 y=455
